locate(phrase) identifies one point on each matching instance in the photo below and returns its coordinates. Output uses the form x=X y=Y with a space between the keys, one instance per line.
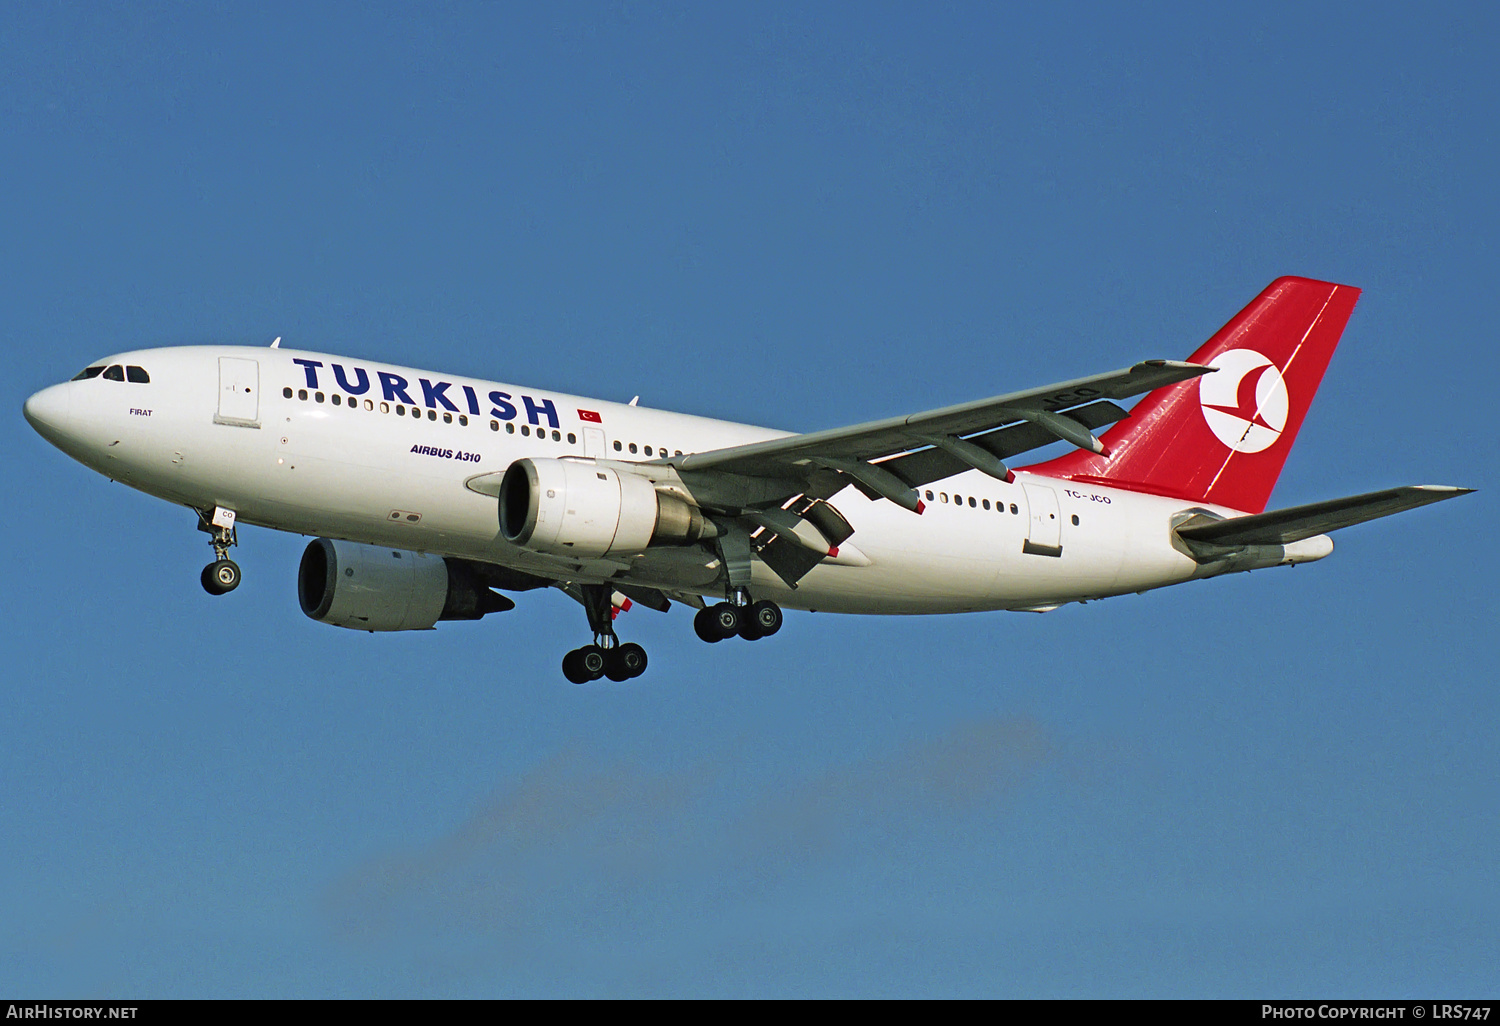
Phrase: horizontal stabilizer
x=1285 y=526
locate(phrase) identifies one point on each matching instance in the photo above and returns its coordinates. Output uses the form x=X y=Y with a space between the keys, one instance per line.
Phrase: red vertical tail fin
x=1223 y=437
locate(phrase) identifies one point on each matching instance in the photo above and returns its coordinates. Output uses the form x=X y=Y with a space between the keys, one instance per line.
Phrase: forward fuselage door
x=1044 y=528
x=239 y=392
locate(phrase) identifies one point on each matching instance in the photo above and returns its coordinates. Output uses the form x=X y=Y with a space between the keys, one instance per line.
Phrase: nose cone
x=48 y=411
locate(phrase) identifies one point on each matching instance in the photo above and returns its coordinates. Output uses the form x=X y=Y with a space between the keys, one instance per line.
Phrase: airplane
x=430 y=495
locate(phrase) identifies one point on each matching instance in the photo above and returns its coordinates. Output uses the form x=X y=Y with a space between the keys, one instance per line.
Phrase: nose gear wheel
x=222 y=575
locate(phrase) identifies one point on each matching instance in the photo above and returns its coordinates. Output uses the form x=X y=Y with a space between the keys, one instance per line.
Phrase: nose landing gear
x=223 y=574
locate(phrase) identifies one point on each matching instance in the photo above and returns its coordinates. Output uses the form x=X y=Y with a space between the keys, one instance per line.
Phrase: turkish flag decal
x=590 y=416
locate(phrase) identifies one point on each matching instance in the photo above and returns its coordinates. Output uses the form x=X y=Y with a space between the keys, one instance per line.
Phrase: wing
x=771 y=497
x=1293 y=524
x=890 y=458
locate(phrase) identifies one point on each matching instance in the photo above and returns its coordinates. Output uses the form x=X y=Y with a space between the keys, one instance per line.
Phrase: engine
x=568 y=508
x=374 y=588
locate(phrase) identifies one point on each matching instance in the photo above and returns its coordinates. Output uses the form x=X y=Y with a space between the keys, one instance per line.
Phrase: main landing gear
x=750 y=620
x=223 y=574
x=606 y=657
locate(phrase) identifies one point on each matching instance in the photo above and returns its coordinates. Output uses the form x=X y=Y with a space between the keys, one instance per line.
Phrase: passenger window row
x=115 y=372
x=510 y=429
x=660 y=450
x=415 y=412
x=401 y=411
x=527 y=431
x=958 y=500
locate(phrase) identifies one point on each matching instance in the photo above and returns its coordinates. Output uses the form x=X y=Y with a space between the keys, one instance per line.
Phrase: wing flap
x=1293 y=524
x=651 y=598
x=787 y=559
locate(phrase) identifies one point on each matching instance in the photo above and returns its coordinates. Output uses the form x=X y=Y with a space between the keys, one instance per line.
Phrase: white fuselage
x=258 y=431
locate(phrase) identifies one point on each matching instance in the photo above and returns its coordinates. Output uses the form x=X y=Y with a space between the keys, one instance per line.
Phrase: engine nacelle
x=374 y=588
x=568 y=508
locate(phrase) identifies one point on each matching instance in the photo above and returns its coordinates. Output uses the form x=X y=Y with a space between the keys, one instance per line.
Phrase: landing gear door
x=239 y=392
x=1044 y=528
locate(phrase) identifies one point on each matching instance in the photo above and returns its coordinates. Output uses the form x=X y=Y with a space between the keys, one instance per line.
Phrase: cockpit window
x=138 y=375
x=89 y=372
x=115 y=373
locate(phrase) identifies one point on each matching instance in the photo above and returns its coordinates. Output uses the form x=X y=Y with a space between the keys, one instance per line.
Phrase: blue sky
x=1282 y=783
